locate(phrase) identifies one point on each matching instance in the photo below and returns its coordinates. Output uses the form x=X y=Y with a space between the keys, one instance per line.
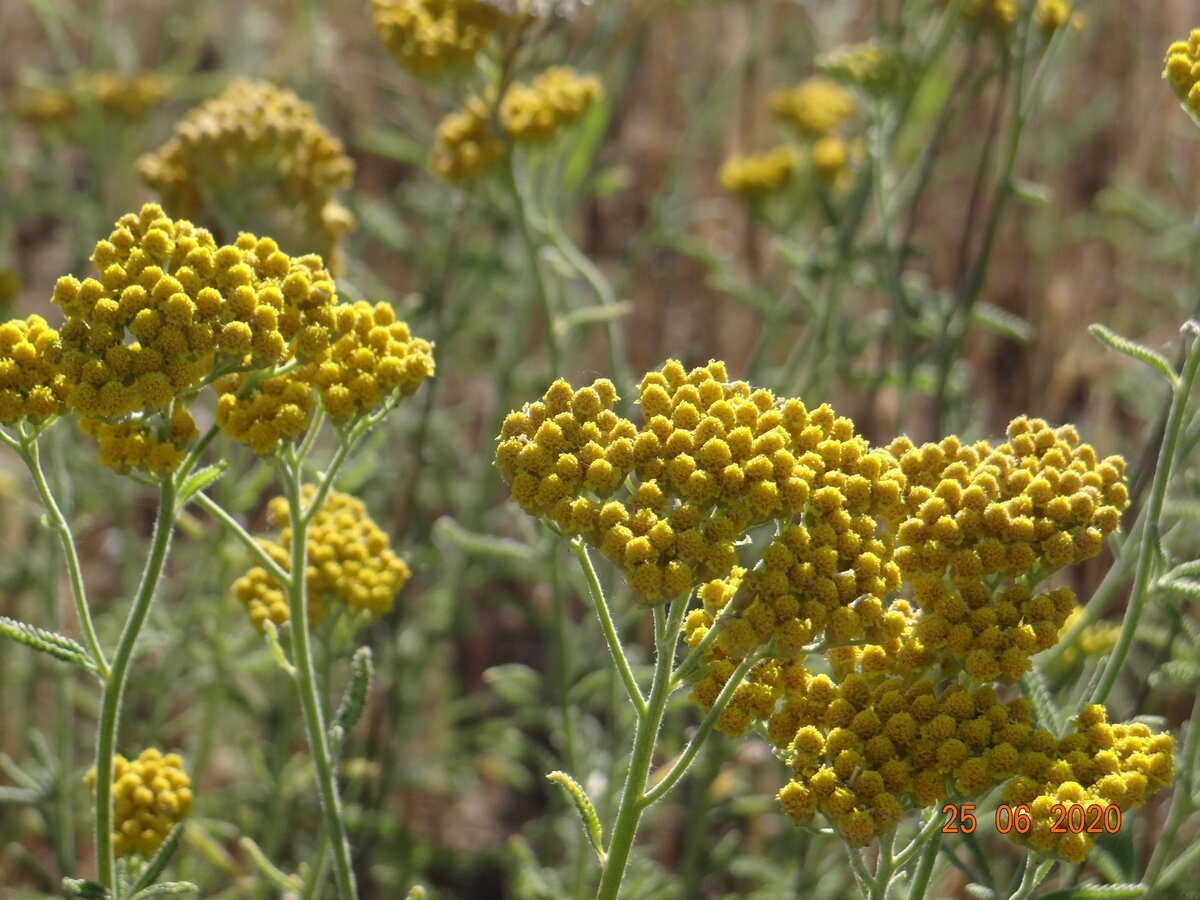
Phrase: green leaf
x=89 y=890
x=199 y=480
x=1098 y=892
x=392 y=144
x=1045 y=713
x=516 y=684
x=587 y=812
x=1031 y=192
x=1181 y=670
x=417 y=893
x=1141 y=353
x=167 y=889
x=57 y=645
x=159 y=861
x=478 y=544
x=1002 y=322
x=355 y=700
x=593 y=315
x=978 y=891
x=19 y=795
x=1188 y=587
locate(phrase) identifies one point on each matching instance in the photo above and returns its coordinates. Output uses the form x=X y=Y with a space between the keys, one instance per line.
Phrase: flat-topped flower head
x=350 y=560
x=32 y=386
x=467 y=144
x=257 y=155
x=1183 y=70
x=549 y=103
x=816 y=107
x=151 y=795
x=430 y=37
x=170 y=312
x=755 y=177
x=132 y=96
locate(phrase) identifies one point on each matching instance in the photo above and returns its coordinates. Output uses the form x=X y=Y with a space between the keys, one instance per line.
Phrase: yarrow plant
x=869 y=631
x=169 y=314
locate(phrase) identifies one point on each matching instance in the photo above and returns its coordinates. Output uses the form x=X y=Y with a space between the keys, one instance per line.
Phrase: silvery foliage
x=565 y=8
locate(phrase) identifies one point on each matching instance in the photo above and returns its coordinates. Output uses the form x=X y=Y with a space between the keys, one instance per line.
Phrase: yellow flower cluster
x=375 y=357
x=262 y=413
x=1096 y=765
x=984 y=524
x=712 y=459
x=141 y=445
x=1183 y=69
x=1094 y=640
x=830 y=159
x=470 y=140
x=151 y=795
x=866 y=66
x=44 y=108
x=256 y=151
x=31 y=385
x=817 y=106
x=429 y=36
x=753 y=177
x=129 y=96
x=466 y=144
x=553 y=100
x=999 y=16
x=349 y=559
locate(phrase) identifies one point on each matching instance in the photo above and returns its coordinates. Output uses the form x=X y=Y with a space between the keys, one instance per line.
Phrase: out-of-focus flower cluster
x=31 y=385
x=429 y=36
x=130 y=97
x=1093 y=640
x=256 y=154
x=349 y=560
x=170 y=313
x=1183 y=69
x=913 y=570
x=756 y=176
x=1000 y=16
x=151 y=795
x=470 y=140
x=816 y=107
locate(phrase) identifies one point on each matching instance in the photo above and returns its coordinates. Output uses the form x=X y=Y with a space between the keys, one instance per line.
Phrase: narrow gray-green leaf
x=1098 y=892
x=1045 y=713
x=587 y=812
x=1140 y=352
x=198 y=481
x=1002 y=322
x=355 y=698
x=478 y=544
x=57 y=645
x=167 y=889
x=88 y=890
x=159 y=860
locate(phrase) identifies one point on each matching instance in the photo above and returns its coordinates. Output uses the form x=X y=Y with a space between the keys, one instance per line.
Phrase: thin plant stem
x=114 y=684
x=620 y=660
x=234 y=527
x=522 y=204
x=1149 y=545
x=883 y=868
x=62 y=530
x=306 y=681
x=929 y=855
x=645 y=736
x=680 y=767
x=1033 y=876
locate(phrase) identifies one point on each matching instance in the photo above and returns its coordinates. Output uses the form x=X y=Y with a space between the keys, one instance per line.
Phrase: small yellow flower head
x=126 y=96
x=553 y=100
x=427 y=37
x=31 y=386
x=259 y=149
x=1051 y=15
x=44 y=108
x=829 y=159
x=374 y=359
x=272 y=412
x=817 y=106
x=169 y=310
x=143 y=445
x=151 y=795
x=467 y=144
x=754 y=177
x=1183 y=70
x=996 y=15
x=866 y=66
x=349 y=559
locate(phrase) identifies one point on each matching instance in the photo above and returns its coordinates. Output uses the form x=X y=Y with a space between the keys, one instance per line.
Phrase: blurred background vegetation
x=491 y=671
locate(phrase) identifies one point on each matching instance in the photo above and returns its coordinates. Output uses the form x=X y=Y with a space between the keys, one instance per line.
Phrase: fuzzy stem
x=306 y=681
x=114 y=686
x=645 y=736
x=579 y=548
x=1153 y=514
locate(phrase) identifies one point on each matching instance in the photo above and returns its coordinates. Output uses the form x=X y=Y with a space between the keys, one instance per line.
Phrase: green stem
x=579 y=548
x=522 y=205
x=114 y=684
x=1034 y=875
x=920 y=882
x=234 y=527
x=645 y=736
x=1150 y=536
x=306 y=681
x=883 y=868
x=29 y=453
x=668 y=781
